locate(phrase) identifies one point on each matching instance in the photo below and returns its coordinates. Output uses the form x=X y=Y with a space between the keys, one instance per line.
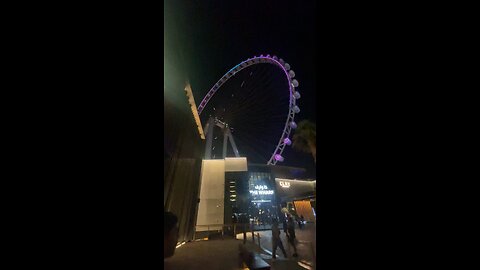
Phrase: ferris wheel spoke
x=261 y=113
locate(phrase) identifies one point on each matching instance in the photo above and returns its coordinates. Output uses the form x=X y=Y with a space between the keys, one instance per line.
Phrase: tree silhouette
x=305 y=138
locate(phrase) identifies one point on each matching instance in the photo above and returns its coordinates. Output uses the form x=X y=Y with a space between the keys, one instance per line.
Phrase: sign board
x=284 y=184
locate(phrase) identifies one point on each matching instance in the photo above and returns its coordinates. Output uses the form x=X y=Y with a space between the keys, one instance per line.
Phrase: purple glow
x=287 y=141
x=296 y=109
x=295 y=83
x=253 y=60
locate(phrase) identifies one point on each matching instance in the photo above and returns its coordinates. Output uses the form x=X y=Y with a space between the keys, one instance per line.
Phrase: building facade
x=260 y=194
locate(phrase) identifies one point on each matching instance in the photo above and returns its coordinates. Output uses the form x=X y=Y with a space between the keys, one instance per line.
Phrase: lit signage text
x=261 y=190
x=284 y=184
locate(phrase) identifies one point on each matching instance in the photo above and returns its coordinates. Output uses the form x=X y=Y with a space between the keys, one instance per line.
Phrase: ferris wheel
x=293 y=96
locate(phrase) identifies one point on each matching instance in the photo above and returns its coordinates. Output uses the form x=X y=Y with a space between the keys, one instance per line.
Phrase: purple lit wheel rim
x=292 y=105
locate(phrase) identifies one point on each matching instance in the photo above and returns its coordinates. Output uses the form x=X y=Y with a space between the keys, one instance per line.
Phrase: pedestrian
x=243 y=222
x=234 y=223
x=234 y=218
x=276 y=241
x=170 y=234
x=284 y=221
x=291 y=235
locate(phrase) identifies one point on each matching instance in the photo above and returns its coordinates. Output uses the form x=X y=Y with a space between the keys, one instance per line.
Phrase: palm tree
x=305 y=138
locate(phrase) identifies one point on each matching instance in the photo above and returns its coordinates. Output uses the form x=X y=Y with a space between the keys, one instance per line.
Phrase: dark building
x=182 y=164
x=261 y=188
x=257 y=195
x=254 y=193
x=182 y=142
x=236 y=195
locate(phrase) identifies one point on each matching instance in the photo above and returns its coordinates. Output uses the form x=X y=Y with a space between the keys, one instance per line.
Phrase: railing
x=213 y=229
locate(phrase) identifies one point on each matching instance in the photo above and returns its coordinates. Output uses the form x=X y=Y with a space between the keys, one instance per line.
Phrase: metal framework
x=293 y=108
x=212 y=122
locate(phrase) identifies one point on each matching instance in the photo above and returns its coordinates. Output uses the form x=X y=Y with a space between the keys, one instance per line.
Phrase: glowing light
x=296 y=109
x=250 y=61
x=284 y=184
x=193 y=107
x=261 y=192
x=260 y=187
x=287 y=141
x=295 y=83
x=291 y=73
x=181 y=244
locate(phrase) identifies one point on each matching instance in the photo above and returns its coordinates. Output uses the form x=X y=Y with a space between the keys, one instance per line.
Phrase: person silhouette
x=291 y=234
x=170 y=234
x=276 y=241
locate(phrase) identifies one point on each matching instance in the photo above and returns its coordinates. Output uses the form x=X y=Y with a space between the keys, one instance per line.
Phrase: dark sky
x=217 y=35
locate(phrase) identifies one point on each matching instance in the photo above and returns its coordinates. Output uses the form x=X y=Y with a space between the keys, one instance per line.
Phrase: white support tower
x=227 y=134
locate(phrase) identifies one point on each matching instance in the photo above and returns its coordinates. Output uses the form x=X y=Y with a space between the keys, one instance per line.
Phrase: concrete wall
x=211 y=209
x=212 y=194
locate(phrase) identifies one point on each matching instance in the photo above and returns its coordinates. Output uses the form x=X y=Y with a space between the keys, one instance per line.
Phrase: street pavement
x=212 y=255
x=223 y=254
x=306 y=246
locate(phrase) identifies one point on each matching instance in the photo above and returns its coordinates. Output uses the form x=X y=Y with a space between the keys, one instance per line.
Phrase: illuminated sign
x=261 y=190
x=284 y=184
x=261 y=187
x=260 y=201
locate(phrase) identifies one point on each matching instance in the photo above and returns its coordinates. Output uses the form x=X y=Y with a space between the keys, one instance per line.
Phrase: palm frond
x=305 y=137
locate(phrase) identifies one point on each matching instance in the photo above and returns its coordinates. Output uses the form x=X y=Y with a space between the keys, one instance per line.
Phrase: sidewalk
x=224 y=254
x=306 y=246
x=212 y=255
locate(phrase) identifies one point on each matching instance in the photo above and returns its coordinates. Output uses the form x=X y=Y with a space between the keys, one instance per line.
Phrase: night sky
x=217 y=35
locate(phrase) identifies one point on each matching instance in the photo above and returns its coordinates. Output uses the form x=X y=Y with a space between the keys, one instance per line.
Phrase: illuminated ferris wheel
x=293 y=95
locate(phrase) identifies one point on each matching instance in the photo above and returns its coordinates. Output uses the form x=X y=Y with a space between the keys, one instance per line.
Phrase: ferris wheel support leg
x=225 y=137
x=234 y=146
x=208 y=145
